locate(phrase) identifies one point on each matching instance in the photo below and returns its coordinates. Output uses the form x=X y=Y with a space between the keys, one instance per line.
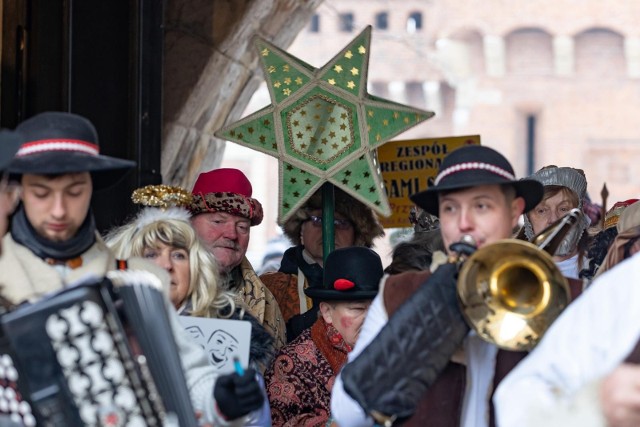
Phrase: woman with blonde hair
x=166 y=238
x=162 y=233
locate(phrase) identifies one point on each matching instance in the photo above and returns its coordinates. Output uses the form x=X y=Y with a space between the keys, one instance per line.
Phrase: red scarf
x=331 y=344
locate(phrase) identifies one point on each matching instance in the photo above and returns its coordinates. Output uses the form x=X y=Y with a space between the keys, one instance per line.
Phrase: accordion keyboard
x=90 y=361
x=11 y=404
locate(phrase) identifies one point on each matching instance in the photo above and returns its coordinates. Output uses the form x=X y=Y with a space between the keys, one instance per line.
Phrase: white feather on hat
x=150 y=215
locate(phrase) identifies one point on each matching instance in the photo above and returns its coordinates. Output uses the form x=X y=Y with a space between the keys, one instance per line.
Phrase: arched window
x=382 y=21
x=346 y=22
x=414 y=22
x=529 y=51
x=599 y=53
x=314 y=25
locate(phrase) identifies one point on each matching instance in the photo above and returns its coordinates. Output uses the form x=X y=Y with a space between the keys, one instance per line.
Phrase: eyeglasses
x=338 y=224
x=11 y=191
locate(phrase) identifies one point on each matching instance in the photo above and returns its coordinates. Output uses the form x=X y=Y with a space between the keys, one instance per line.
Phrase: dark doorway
x=100 y=59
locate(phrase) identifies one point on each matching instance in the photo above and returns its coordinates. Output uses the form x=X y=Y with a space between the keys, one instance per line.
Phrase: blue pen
x=238 y=366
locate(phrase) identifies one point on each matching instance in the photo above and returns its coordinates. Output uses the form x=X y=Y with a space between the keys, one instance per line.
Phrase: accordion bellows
x=96 y=355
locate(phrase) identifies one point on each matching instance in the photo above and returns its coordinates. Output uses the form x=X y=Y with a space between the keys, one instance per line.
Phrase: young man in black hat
x=53 y=243
x=300 y=378
x=9 y=191
x=475 y=193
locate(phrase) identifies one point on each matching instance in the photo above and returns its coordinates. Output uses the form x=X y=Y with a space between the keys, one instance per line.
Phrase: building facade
x=544 y=81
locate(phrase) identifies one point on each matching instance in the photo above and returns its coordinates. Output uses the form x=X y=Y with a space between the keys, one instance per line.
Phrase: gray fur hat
x=573 y=179
x=365 y=222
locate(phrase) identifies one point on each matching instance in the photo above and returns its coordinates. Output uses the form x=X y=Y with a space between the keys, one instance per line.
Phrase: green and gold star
x=330 y=105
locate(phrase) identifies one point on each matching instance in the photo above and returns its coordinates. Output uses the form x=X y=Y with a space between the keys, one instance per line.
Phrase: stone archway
x=211 y=72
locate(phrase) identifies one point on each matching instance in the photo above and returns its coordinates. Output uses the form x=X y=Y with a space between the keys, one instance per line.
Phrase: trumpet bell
x=510 y=292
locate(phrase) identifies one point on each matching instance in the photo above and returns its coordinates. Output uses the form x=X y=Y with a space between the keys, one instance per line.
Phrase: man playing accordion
x=53 y=243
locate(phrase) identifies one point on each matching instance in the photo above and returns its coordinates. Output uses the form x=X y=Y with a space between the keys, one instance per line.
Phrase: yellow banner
x=409 y=167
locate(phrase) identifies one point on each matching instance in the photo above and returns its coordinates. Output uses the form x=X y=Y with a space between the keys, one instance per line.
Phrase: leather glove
x=409 y=353
x=238 y=395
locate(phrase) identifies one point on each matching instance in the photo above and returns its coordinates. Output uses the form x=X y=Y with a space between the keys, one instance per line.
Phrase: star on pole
x=323 y=126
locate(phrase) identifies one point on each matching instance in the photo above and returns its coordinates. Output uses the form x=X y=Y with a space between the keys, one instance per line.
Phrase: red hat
x=225 y=190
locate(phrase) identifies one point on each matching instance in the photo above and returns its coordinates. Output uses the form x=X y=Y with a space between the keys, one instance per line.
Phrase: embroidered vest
x=441 y=405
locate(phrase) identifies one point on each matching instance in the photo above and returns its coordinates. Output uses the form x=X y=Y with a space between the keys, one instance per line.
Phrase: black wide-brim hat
x=475 y=165
x=350 y=274
x=61 y=143
x=10 y=142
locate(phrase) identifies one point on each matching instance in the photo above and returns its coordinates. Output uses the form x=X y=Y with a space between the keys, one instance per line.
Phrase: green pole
x=328 y=209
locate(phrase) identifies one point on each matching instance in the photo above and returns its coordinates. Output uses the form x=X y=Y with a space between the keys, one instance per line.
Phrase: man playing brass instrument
x=475 y=194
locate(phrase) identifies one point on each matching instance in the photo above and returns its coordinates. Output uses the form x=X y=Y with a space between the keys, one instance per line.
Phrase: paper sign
x=221 y=339
x=410 y=166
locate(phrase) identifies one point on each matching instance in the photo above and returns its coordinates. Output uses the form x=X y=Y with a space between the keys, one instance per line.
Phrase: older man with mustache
x=223 y=214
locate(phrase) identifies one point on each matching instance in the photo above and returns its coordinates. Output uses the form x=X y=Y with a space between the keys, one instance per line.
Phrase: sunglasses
x=338 y=224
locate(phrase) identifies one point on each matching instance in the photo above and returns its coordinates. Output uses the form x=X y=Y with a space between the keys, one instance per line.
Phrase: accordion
x=96 y=354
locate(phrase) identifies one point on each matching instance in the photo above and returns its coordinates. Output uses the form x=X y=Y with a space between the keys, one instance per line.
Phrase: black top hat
x=475 y=165
x=9 y=144
x=60 y=143
x=352 y=273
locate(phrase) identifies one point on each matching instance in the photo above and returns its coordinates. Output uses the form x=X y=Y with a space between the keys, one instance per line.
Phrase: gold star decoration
x=331 y=106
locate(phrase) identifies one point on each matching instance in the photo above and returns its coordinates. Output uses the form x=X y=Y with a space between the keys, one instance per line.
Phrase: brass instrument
x=511 y=291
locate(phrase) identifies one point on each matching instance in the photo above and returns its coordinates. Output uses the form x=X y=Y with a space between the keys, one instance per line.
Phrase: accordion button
x=137 y=421
x=68 y=356
x=56 y=327
x=12 y=374
x=29 y=420
x=91 y=314
x=113 y=370
x=102 y=343
x=78 y=384
x=88 y=413
x=6 y=360
x=125 y=398
x=24 y=408
x=9 y=393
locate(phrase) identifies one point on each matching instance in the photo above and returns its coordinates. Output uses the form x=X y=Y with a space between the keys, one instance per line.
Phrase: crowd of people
x=343 y=341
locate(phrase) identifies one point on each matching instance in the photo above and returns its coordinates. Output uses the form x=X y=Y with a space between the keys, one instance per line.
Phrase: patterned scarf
x=331 y=344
